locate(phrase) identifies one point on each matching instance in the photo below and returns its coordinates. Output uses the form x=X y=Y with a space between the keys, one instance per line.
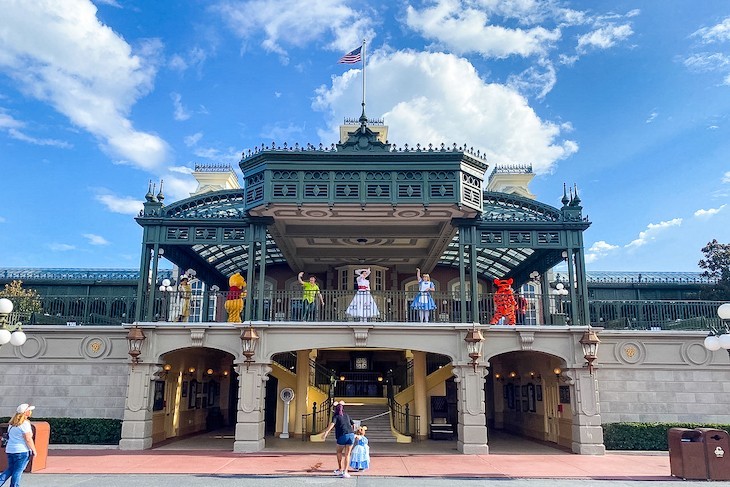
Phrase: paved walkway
x=510 y=458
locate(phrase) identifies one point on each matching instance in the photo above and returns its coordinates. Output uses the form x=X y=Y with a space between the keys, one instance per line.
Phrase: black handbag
x=5 y=439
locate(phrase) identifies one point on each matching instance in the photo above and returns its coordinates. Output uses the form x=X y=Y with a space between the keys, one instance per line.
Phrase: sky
x=627 y=100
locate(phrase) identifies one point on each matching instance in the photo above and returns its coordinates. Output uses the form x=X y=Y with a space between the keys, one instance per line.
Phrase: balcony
x=393 y=307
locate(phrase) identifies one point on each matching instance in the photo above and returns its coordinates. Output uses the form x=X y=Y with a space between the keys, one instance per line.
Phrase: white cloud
x=717 y=33
x=182 y=62
x=111 y=3
x=12 y=127
x=534 y=80
x=602 y=246
x=426 y=97
x=599 y=249
x=123 y=205
x=706 y=61
x=651 y=117
x=708 y=213
x=604 y=37
x=726 y=177
x=653 y=230
x=192 y=140
x=462 y=28
x=178 y=188
x=95 y=239
x=60 y=247
x=180 y=112
x=18 y=135
x=282 y=133
x=180 y=169
x=297 y=23
x=60 y=53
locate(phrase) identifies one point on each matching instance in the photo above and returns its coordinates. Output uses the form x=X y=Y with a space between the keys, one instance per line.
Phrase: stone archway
x=535 y=395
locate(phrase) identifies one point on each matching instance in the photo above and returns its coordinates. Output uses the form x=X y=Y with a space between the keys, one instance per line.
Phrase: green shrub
x=645 y=436
x=82 y=431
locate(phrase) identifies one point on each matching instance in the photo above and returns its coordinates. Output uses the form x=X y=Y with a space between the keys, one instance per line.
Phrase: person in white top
x=20 y=445
x=363 y=305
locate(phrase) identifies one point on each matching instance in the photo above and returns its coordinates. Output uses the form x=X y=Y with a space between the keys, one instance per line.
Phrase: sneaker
x=345 y=475
x=338 y=472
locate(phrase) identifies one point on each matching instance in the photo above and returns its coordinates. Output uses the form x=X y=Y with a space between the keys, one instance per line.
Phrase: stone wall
x=662 y=377
x=78 y=372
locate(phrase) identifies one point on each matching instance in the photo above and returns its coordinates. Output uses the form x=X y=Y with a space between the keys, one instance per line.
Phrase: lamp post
x=474 y=341
x=720 y=335
x=9 y=332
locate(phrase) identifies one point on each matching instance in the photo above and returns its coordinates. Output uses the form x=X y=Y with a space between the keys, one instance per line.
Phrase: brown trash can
x=687 y=458
x=717 y=453
x=41 y=438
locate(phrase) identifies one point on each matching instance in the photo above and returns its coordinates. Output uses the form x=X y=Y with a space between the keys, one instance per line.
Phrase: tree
x=24 y=300
x=717 y=267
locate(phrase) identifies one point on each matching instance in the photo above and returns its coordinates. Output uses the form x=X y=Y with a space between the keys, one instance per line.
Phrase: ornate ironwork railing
x=401 y=418
x=315 y=422
x=392 y=307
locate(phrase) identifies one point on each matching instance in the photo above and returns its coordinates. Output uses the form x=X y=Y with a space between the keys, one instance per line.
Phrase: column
x=301 y=400
x=587 y=430
x=250 y=417
x=137 y=422
x=420 y=400
x=472 y=429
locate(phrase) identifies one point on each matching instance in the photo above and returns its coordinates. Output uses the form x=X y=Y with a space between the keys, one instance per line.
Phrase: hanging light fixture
x=136 y=338
x=249 y=340
x=474 y=341
x=589 y=341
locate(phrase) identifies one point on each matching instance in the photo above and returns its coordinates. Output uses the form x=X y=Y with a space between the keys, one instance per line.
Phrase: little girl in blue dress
x=360 y=456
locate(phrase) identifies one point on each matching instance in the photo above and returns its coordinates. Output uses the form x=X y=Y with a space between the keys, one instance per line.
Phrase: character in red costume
x=505 y=303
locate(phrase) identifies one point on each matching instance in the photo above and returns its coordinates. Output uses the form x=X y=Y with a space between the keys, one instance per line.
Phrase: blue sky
x=630 y=100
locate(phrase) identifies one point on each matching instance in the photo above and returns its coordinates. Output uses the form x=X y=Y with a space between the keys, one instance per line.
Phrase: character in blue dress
x=360 y=456
x=423 y=301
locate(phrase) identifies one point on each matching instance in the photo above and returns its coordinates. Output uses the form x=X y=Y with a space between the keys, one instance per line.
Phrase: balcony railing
x=392 y=307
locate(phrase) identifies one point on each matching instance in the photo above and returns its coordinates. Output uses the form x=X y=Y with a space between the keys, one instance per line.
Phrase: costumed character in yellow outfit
x=234 y=300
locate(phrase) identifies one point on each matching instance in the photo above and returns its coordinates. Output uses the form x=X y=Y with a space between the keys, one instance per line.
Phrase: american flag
x=351 y=57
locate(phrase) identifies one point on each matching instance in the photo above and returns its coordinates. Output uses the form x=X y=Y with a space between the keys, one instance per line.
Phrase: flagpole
x=363 y=76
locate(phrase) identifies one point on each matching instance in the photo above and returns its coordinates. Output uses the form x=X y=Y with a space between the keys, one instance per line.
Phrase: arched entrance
x=195 y=391
x=525 y=396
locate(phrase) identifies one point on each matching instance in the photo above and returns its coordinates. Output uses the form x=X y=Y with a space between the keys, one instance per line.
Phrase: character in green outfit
x=310 y=291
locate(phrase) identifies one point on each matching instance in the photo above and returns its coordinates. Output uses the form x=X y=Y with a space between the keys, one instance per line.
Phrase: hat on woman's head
x=24 y=407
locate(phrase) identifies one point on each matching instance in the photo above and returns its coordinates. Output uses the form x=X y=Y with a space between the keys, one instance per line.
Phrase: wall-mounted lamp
x=190 y=372
x=136 y=338
x=535 y=376
x=474 y=341
x=514 y=375
x=589 y=341
x=210 y=371
x=249 y=340
x=380 y=378
x=165 y=370
x=557 y=371
x=498 y=377
x=564 y=254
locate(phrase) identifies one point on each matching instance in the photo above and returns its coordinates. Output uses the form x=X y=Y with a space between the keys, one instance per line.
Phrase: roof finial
x=576 y=199
x=160 y=196
x=565 y=199
x=150 y=196
x=363 y=118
